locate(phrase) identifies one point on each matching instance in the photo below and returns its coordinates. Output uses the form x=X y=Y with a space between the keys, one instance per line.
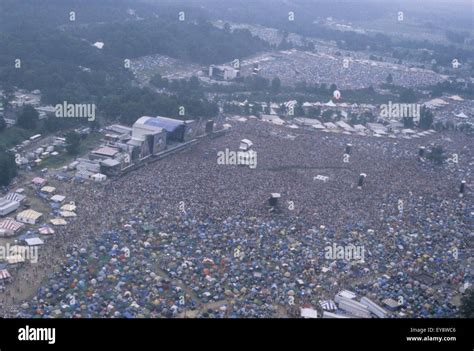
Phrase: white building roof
x=30 y=214
x=330 y=125
x=273 y=119
x=345 y=126
x=106 y=151
x=34 y=241
x=58 y=198
x=68 y=207
x=461 y=115
x=58 y=221
x=48 y=189
x=67 y=214
x=309 y=313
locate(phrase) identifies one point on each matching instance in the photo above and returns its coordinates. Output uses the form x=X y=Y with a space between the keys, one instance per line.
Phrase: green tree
x=257 y=83
x=408 y=95
x=408 y=122
x=73 y=142
x=276 y=85
x=426 y=118
x=314 y=112
x=299 y=111
x=28 y=118
x=194 y=83
x=8 y=168
x=327 y=115
x=436 y=154
x=467 y=304
x=3 y=124
x=282 y=109
x=158 y=81
x=389 y=79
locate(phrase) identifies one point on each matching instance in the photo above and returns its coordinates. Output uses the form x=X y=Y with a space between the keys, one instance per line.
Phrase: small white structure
x=321 y=177
x=360 y=128
x=309 y=313
x=345 y=126
x=245 y=145
x=98 y=44
x=307 y=121
x=67 y=214
x=408 y=131
x=99 y=177
x=223 y=72
x=272 y=119
x=29 y=216
x=48 y=189
x=58 y=198
x=34 y=241
x=35 y=137
x=58 y=221
x=69 y=207
x=72 y=166
x=330 y=126
x=436 y=103
x=377 y=128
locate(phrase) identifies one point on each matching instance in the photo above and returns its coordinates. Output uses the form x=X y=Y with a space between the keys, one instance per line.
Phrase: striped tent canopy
x=4 y=274
x=10 y=224
x=46 y=230
x=15 y=197
x=328 y=305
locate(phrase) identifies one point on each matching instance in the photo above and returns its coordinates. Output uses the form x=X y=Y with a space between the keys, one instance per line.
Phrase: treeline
x=136 y=102
x=16 y=15
x=63 y=67
x=8 y=169
x=446 y=87
x=42 y=49
x=199 y=42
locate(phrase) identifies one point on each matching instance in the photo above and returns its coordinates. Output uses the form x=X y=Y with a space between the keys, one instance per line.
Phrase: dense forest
x=41 y=48
x=193 y=42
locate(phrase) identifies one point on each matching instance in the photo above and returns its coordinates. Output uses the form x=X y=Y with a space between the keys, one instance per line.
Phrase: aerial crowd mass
x=188 y=237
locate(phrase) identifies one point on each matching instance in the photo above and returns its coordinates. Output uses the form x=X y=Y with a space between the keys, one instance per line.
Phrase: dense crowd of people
x=187 y=236
x=294 y=66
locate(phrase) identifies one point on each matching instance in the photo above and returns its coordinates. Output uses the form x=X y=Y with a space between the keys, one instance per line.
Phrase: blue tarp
x=170 y=125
